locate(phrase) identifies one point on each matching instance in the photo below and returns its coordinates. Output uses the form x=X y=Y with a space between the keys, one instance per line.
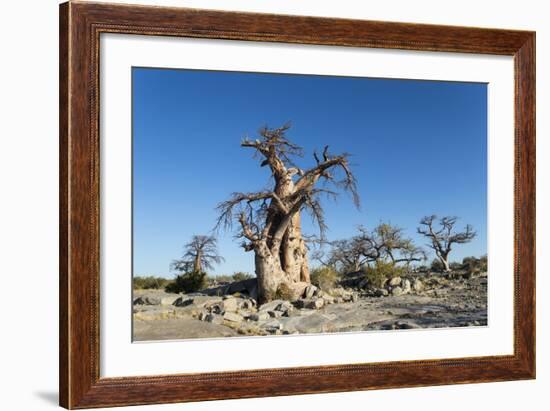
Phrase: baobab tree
x=270 y=221
x=443 y=237
x=201 y=253
x=385 y=242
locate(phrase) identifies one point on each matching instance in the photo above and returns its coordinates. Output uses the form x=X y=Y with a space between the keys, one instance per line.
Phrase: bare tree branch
x=442 y=239
x=384 y=242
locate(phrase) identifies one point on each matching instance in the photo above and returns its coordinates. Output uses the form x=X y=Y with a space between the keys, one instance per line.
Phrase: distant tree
x=344 y=255
x=201 y=253
x=385 y=242
x=443 y=237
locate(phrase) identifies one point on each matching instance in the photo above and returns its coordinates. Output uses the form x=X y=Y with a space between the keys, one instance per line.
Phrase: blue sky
x=419 y=148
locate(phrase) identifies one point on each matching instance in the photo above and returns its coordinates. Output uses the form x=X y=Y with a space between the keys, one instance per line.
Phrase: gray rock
x=249 y=287
x=396 y=291
x=328 y=299
x=310 y=291
x=233 y=317
x=169 y=300
x=148 y=300
x=395 y=281
x=406 y=285
x=213 y=318
x=230 y=304
x=275 y=314
x=248 y=304
x=349 y=298
x=237 y=287
x=339 y=292
x=417 y=285
x=155 y=314
x=364 y=283
x=272 y=326
x=216 y=291
x=259 y=316
x=272 y=305
x=183 y=301
x=215 y=308
x=198 y=300
x=401 y=325
x=285 y=307
x=381 y=292
x=314 y=304
x=176 y=329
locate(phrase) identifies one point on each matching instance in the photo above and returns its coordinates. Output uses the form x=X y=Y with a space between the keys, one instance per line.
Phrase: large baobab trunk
x=281 y=259
x=294 y=252
x=273 y=281
x=268 y=272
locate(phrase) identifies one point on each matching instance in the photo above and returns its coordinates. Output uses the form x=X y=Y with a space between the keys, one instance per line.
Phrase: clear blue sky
x=419 y=148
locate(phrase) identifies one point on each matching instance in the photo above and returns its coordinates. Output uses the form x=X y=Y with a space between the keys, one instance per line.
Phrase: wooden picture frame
x=80 y=27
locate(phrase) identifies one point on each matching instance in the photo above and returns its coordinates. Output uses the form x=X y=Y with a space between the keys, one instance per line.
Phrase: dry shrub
x=324 y=277
x=382 y=271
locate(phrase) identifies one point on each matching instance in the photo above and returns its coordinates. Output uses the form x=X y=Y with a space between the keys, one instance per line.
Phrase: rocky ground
x=230 y=310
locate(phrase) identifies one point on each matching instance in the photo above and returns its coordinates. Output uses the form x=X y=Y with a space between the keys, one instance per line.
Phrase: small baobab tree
x=200 y=254
x=270 y=221
x=442 y=237
x=385 y=242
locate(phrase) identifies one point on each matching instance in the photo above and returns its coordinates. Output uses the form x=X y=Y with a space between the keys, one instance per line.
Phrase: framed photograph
x=259 y=205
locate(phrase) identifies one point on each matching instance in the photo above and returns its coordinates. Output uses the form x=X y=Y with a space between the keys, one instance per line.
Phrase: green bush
x=381 y=272
x=324 y=277
x=150 y=282
x=241 y=276
x=475 y=265
x=188 y=283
